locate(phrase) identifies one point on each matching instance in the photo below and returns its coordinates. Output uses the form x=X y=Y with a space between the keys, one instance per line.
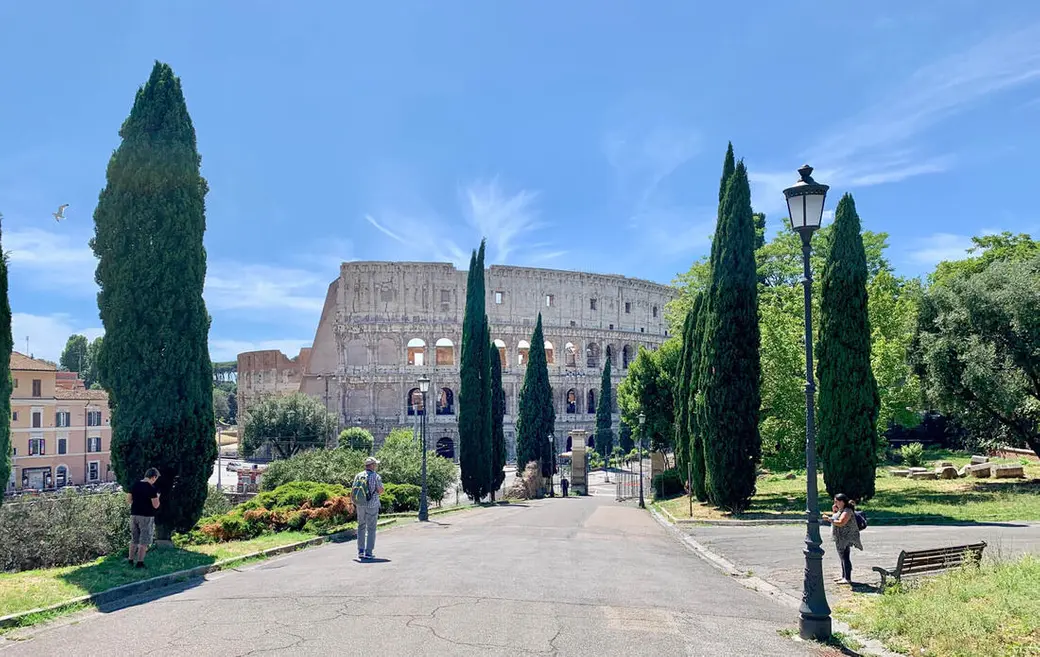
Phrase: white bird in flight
x=60 y=214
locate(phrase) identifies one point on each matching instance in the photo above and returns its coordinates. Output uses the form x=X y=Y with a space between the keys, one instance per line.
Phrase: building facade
x=384 y=324
x=60 y=431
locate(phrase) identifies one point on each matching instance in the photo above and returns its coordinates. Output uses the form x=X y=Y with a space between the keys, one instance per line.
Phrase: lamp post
x=424 y=507
x=805 y=203
x=325 y=377
x=642 y=423
x=552 y=463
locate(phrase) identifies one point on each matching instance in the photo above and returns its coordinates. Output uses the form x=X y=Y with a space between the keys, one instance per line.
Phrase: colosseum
x=386 y=323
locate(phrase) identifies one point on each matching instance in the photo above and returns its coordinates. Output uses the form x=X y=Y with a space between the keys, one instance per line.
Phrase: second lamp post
x=642 y=423
x=424 y=507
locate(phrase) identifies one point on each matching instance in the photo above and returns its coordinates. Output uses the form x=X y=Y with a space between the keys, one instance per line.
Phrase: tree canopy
x=288 y=424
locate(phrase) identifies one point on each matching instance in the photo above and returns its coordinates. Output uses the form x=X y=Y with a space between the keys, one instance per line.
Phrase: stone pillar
x=579 y=484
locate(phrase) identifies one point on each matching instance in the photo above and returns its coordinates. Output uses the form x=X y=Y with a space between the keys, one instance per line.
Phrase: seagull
x=60 y=214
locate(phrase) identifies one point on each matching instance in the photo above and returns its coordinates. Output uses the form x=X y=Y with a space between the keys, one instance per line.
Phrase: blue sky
x=582 y=135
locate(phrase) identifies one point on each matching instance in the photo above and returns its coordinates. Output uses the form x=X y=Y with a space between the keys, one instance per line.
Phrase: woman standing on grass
x=845 y=530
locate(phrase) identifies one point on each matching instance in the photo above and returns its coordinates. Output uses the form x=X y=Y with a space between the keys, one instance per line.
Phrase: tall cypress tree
x=154 y=361
x=694 y=429
x=681 y=395
x=604 y=418
x=498 y=411
x=731 y=370
x=475 y=388
x=6 y=347
x=848 y=401
x=729 y=165
x=536 y=415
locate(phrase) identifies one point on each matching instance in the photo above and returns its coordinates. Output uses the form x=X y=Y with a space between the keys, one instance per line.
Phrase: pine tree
x=498 y=411
x=848 y=398
x=6 y=347
x=475 y=388
x=729 y=165
x=731 y=370
x=604 y=418
x=694 y=427
x=681 y=397
x=536 y=415
x=154 y=361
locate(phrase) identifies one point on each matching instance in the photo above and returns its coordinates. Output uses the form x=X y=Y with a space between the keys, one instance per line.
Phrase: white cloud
x=940 y=246
x=384 y=230
x=47 y=333
x=225 y=350
x=504 y=218
x=56 y=260
x=643 y=159
x=231 y=286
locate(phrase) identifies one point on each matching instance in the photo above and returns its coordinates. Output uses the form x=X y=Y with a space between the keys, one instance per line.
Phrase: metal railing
x=627 y=485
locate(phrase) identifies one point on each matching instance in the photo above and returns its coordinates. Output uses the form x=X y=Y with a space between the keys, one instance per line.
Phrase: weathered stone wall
x=264 y=373
x=375 y=309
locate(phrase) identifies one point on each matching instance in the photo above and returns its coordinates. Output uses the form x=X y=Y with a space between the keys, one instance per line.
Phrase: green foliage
x=912 y=455
x=288 y=424
x=604 y=418
x=356 y=439
x=536 y=415
x=216 y=502
x=400 y=498
x=149 y=226
x=698 y=469
x=978 y=347
x=293 y=495
x=220 y=406
x=6 y=383
x=498 y=411
x=667 y=484
x=62 y=530
x=730 y=367
x=893 y=304
x=475 y=389
x=74 y=356
x=625 y=437
x=400 y=462
x=232 y=402
x=1004 y=247
x=327 y=466
x=92 y=377
x=647 y=388
x=848 y=398
x=225 y=372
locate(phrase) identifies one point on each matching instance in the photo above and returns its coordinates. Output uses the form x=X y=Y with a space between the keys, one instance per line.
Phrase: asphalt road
x=576 y=576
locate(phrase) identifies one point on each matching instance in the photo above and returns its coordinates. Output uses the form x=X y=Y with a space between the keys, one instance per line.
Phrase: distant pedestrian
x=564 y=486
x=144 y=501
x=845 y=530
x=367 y=487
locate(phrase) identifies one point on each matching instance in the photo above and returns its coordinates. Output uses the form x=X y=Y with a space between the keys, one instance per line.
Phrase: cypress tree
x=154 y=361
x=536 y=415
x=731 y=370
x=6 y=386
x=681 y=395
x=475 y=388
x=848 y=400
x=498 y=411
x=694 y=427
x=604 y=419
x=729 y=165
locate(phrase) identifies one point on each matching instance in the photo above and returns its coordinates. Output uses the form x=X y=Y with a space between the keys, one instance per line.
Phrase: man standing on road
x=366 y=489
x=144 y=500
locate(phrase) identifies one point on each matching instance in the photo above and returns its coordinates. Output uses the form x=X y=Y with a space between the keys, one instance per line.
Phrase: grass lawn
x=989 y=611
x=898 y=500
x=33 y=589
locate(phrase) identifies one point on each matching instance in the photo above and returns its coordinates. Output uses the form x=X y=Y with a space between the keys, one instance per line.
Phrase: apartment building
x=60 y=431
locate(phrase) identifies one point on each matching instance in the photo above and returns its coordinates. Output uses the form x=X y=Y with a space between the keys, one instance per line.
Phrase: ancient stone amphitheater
x=384 y=324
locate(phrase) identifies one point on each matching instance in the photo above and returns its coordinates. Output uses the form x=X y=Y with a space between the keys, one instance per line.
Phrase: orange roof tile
x=20 y=361
x=80 y=393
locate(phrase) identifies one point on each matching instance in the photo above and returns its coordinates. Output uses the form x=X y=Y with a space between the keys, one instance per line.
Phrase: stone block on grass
x=948 y=472
x=926 y=475
x=899 y=472
x=980 y=470
x=1008 y=471
x=975 y=460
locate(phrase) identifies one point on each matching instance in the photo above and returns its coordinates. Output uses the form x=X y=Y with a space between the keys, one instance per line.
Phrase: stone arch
x=444 y=350
x=626 y=356
x=414 y=401
x=570 y=443
x=550 y=355
x=386 y=352
x=571 y=355
x=591 y=442
x=591 y=407
x=445 y=402
x=501 y=346
x=446 y=448
x=592 y=353
x=356 y=353
x=417 y=352
x=610 y=353
x=523 y=349
x=386 y=403
x=571 y=401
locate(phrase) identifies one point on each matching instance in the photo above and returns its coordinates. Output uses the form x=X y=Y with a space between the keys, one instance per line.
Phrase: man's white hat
x=371 y=460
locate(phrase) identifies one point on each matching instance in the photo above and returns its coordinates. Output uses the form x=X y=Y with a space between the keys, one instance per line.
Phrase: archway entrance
x=446 y=448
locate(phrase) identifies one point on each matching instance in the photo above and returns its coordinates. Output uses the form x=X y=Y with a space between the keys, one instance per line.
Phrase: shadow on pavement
x=372 y=560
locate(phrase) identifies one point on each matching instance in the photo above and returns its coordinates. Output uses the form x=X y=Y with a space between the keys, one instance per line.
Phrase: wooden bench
x=919 y=562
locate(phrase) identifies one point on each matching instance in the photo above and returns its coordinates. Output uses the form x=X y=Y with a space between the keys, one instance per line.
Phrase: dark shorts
x=141 y=530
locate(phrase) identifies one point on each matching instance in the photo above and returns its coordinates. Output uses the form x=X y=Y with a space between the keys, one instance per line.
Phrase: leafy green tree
x=232 y=402
x=74 y=356
x=986 y=250
x=149 y=226
x=357 y=439
x=91 y=378
x=324 y=466
x=604 y=418
x=536 y=415
x=220 y=406
x=647 y=389
x=287 y=424
x=6 y=384
x=848 y=394
x=400 y=462
x=475 y=390
x=730 y=367
x=893 y=304
x=978 y=349
x=498 y=412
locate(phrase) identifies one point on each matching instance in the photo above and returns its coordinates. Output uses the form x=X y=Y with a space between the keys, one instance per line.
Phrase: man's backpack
x=359 y=489
x=861 y=520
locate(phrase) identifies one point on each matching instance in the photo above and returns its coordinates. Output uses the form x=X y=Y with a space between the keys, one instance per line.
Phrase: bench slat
x=934 y=560
x=957 y=549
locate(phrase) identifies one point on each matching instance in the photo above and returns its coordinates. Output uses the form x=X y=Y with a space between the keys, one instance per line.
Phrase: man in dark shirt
x=144 y=500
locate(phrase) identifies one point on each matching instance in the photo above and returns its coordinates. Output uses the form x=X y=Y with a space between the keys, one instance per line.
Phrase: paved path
x=576 y=576
x=774 y=552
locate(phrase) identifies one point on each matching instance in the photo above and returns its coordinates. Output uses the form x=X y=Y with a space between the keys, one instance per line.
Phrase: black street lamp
x=325 y=377
x=642 y=423
x=424 y=506
x=805 y=203
x=552 y=463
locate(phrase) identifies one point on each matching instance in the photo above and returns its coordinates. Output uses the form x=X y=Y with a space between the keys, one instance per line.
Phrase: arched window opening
x=445 y=352
x=592 y=402
x=571 y=354
x=572 y=401
x=446 y=402
x=592 y=355
x=415 y=402
x=501 y=346
x=417 y=352
x=626 y=356
x=550 y=357
x=591 y=444
x=522 y=352
x=446 y=448
x=610 y=354
x=570 y=443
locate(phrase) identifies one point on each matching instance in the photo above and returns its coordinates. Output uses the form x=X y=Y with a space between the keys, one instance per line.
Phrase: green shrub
x=327 y=466
x=912 y=455
x=293 y=495
x=401 y=463
x=357 y=439
x=668 y=484
x=216 y=503
x=405 y=497
x=62 y=530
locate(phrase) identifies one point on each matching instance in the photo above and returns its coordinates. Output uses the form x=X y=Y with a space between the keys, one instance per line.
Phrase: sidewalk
x=774 y=552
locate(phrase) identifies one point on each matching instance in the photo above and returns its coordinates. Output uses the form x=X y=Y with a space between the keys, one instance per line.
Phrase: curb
x=160 y=581
x=869 y=646
x=874 y=522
